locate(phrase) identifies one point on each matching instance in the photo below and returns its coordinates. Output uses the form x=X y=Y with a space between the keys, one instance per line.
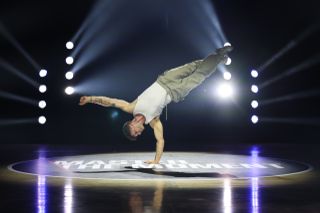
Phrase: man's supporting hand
x=84 y=100
x=152 y=162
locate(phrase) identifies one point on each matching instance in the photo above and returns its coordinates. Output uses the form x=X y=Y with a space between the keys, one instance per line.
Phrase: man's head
x=132 y=129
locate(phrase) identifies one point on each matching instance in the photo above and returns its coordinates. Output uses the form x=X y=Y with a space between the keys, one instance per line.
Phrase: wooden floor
x=41 y=194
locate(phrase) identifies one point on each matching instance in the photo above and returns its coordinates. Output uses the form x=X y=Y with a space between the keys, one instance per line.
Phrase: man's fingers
x=150 y=162
x=82 y=101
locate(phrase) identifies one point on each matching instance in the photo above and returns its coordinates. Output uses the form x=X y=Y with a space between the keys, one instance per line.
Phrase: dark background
x=150 y=41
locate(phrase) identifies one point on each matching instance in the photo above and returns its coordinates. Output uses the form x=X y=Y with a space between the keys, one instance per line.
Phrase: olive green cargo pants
x=178 y=82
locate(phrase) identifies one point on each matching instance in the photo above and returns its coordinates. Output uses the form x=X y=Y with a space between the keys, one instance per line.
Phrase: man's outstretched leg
x=193 y=74
x=205 y=69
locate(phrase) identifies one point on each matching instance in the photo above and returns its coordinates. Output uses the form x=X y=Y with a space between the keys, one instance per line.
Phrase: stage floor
x=47 y=178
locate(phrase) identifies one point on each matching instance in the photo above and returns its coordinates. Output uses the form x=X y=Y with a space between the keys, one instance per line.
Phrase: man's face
x=136 y=128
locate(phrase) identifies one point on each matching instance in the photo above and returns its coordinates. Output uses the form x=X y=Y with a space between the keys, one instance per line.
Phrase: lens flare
x=225 y=90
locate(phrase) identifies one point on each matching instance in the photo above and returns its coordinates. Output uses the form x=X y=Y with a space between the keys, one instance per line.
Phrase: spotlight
x=227 y=76
x=43 y=73
x=254 y=104
x=254 y=89
x=42 y=104
x=42 y=120
x=69 y=75
x=69 y=60
x=43 y=88
x=254 y=119
x=69 y=45
x=225 y=90
x=69 y=90
x=227 y=44
x=228 y=62
x=254 y=73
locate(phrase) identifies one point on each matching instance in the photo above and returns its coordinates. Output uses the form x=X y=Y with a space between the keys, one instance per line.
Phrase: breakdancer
x=173 y=85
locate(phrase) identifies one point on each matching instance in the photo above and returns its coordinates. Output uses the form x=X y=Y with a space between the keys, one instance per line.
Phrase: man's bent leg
x=179 y=87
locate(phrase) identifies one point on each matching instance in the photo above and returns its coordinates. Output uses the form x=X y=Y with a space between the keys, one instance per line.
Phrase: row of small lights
x=224 y=90
x=43 y=88
x=69 y=74
x=42 y=103
x=254 y=103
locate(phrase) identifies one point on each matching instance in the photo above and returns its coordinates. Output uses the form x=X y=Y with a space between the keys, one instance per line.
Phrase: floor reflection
x=41 y=183
x=227 y=196
x=254 y=182
x=137 y=204
x=68 y=196
x=41 y=194
x=254 y=195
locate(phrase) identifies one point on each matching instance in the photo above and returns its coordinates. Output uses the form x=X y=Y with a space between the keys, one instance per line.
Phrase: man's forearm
x=110 y=102
x=100 y=100
x=159 y=150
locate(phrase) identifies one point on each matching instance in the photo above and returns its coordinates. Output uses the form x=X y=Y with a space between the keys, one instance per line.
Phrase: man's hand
x=151 y=162
x=84 y=100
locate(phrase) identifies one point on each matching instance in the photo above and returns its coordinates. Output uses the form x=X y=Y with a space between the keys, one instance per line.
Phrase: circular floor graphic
x=174 y=165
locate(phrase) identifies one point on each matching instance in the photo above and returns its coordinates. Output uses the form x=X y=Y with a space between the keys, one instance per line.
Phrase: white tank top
x=151 y=102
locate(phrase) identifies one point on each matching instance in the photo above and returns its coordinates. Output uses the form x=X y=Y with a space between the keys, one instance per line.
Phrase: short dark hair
x=126 y=131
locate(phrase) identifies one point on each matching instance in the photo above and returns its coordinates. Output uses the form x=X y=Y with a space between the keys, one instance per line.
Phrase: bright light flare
x=69 y=90
x=227 y=76
x=69 y=45
x=69 y=60
x=254 y=119
x=42 y=104
x=43 y=73
x=69 y=75
x=225 y=90
x=42 y=88
x=42 y=120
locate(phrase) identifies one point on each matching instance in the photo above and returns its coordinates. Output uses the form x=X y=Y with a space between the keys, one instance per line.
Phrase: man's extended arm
x=106 y=102
x=158 y=133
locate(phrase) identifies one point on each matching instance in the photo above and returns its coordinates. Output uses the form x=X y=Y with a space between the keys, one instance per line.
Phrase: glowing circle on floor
x=173 y=165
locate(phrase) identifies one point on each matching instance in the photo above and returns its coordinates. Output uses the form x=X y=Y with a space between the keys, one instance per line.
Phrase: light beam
x=304 y=65
x=13 y=41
